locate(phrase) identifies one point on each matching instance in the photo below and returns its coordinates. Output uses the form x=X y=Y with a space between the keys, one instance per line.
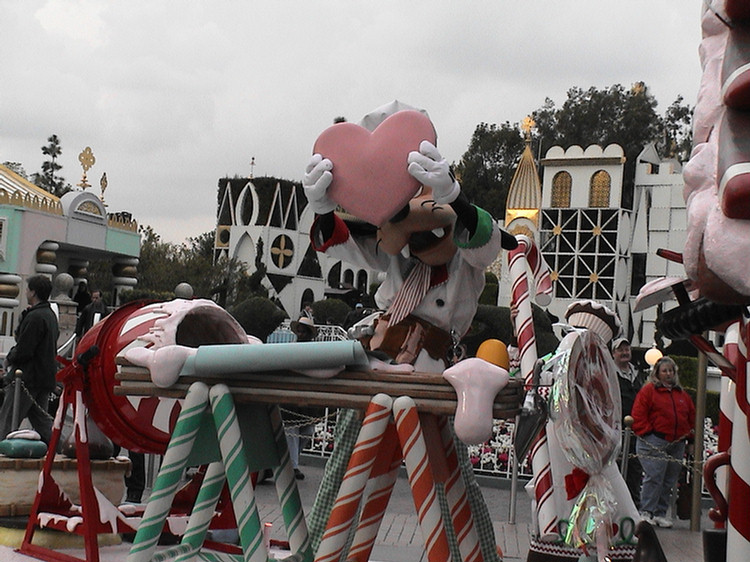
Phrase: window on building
x=348 y=278
x=638 y=275
x=2 y=237
x=601 y=184
x=334 y=275
x=580 y=247
x=561 y=187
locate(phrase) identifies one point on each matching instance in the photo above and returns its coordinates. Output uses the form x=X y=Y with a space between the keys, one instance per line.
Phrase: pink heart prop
x=370 y=177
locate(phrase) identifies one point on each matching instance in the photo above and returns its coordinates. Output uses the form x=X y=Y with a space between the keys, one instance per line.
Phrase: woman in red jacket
x=663 y=419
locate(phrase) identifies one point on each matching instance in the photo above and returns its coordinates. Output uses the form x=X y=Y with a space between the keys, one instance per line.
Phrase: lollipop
x=585 y=408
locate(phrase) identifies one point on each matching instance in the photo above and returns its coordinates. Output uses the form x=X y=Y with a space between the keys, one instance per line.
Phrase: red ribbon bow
x=575 y=482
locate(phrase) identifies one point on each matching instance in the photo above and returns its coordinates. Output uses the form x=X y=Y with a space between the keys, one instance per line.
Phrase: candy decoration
x=357 y=474
x=203 y=509
x=421 y=481
x=174 y=462
x=733 y=169
x=377 y=501
x=519 y=261
x=238 y=474
x=738 y=530
x=455 y=493
x=476 y=382
x=288 y=493
x=234 y=469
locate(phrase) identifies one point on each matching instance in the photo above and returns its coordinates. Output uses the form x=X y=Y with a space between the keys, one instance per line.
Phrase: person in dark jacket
x=663 y=419
x=91 y=314
x=631 y=380
x=34 y=354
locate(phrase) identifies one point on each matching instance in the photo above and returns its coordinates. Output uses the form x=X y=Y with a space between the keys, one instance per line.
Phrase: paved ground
x=400 y=540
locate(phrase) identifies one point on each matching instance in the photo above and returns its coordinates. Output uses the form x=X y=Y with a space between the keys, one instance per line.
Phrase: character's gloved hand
x=432 y=170
x=315 y=183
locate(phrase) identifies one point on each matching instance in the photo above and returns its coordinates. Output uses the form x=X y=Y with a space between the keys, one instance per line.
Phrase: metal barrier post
x=16 y=400
x=513 y=488
x=626 y=436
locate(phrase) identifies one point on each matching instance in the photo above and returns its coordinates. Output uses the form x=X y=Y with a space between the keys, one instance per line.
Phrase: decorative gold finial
x=528 y=123
x=103 y=186
x=87 y=159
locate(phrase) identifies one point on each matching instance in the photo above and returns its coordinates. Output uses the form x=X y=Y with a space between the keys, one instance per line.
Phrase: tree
x=162 y=266
x=48 y=180
x=486 y=168
x=677 y=140
x=258 y=316
x=615 y=115
x=17 y=168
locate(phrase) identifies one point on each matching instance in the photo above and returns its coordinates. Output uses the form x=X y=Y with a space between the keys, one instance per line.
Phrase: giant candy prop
x=585 y=408
x=142 y=424
x=717 y=194
x=587 y=505
x=225 y=421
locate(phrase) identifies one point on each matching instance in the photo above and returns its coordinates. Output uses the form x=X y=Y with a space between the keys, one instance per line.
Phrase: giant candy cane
x=738 y=528
x=522 y=259
x=526 y=256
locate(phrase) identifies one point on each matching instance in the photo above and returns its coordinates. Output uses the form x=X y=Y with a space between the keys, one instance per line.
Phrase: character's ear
x=507 y=240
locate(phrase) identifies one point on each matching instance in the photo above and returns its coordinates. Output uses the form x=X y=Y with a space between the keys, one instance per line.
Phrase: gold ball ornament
x=495 y=352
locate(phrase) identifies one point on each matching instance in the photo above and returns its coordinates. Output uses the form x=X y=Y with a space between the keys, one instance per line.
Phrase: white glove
x=315 y=183
x=432 y=170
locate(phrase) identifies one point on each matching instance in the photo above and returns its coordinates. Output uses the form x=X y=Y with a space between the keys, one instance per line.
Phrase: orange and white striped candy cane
x=455 y=493
x=366 y=449
x=381 y=487
x=421 y=481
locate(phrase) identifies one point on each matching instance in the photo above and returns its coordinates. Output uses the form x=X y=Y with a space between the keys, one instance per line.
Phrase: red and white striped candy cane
x=520 y=260
x=523 y=258
x=381 y=487
x=738 y=529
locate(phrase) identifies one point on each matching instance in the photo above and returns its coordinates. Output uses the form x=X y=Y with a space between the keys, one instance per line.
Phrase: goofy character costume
x=434 y=252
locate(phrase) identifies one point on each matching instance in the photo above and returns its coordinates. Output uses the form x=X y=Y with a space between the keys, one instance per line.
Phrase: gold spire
x=525 y=191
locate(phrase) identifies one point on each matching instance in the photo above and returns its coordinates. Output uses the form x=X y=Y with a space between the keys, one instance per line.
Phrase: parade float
x=183 y=380
x=715 y=293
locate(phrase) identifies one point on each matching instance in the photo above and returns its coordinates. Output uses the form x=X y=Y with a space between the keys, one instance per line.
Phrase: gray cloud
x=172 y=96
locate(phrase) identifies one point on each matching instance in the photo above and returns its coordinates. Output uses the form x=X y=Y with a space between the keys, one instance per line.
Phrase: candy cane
x=458 y=501
x=526 y=256
x=238 y=473
x=203 y=510
x=422 y=484
x=165 y=487
x=358 y=472
x=288 y=493
x=520 y=259
x=738 y=529
x=375 y=508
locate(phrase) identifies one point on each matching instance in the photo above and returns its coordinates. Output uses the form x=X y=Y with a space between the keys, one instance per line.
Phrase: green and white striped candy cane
x=288 y=493
x=203 y=510
x=168 y=480
x=238 y=474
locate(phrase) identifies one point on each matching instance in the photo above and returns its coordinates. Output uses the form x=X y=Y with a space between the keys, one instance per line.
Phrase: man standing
x=91 y=314
x=34 y=354
x=631 y=382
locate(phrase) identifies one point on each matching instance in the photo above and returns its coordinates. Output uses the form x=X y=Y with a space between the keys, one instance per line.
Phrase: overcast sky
x=171 y=96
